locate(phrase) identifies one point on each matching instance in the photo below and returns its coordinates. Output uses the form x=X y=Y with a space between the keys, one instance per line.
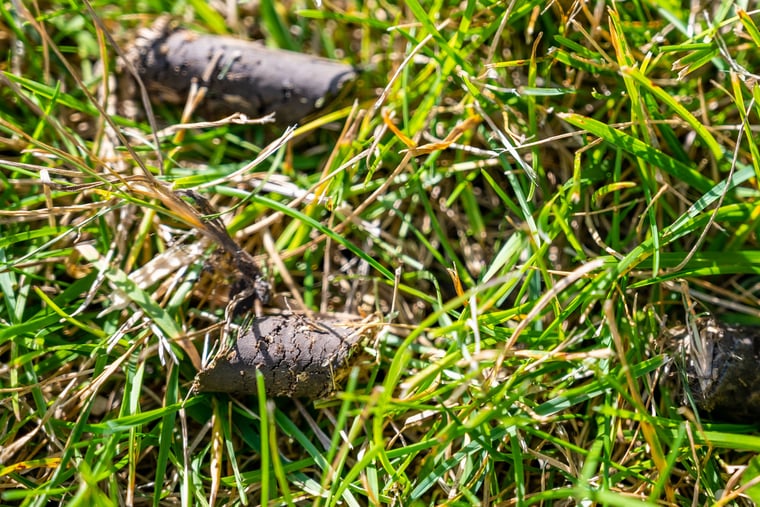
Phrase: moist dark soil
x=722 y=367
x=298 y=357
x=238 y=76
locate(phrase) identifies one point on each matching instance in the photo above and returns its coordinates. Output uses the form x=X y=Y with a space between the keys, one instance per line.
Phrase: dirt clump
x=721 y=365
x=298 y=357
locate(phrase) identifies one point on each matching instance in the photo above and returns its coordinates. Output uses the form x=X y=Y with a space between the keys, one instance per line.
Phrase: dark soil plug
x=722 y=367
x=240 y=76
x=298 y=357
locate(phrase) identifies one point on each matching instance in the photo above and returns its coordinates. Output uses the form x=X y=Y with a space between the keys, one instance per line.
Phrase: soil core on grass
x=722 y=367
x=298 y=357
x=238 y=76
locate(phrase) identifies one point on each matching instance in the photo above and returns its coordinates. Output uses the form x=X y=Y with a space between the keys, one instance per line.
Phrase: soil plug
x=238 y=75
x=298 y=357
x=721 y=365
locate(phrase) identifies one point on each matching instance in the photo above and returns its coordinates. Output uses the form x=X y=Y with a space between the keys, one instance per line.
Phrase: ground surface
x=517 y=197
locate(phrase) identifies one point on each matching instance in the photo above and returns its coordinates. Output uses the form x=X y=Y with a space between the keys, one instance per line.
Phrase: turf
x=520 y=197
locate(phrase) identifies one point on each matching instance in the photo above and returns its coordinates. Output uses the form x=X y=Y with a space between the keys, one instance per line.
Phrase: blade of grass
x=641 y=150
x=713 y=145
x=272 y=204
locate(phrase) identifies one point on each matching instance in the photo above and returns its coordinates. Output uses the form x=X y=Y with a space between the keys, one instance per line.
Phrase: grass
x=523 y=195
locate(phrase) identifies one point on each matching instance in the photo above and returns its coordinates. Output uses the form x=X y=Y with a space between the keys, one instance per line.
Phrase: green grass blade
x=640 y=149
x=712 y=144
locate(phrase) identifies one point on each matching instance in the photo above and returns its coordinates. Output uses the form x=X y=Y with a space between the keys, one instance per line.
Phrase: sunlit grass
x=524 y=196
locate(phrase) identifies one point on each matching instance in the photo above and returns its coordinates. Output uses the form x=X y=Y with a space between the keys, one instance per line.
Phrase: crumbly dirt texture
x=240 y=76
x=298 y=357
x=722 y=366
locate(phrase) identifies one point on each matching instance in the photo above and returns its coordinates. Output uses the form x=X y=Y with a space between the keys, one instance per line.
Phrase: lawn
x=520 y=201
